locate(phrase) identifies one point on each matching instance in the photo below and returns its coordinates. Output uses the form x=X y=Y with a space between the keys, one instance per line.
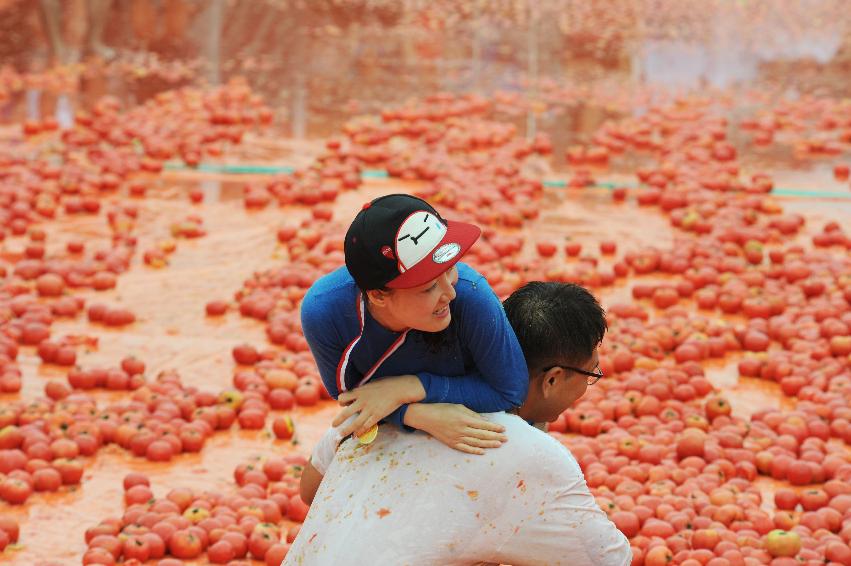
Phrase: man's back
x=407 y=499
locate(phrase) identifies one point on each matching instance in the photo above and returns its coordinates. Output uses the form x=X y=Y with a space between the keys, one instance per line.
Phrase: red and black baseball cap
x=399 y=241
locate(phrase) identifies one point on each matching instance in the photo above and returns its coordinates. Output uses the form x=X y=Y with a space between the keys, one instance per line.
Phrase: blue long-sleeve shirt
x=482 y=366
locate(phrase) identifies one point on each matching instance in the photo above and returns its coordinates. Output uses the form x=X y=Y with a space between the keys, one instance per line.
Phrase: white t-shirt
x=407 y=499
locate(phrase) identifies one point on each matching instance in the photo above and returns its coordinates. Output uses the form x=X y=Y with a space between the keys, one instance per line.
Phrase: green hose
x=382 y=174
x=559 y=184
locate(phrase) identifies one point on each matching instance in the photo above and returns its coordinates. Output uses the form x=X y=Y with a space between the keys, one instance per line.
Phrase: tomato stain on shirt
x=472 y=494
x=383 y=512
x=521 y=485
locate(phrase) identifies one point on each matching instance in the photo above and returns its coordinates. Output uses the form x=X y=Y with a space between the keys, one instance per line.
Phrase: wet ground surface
x=172 y=332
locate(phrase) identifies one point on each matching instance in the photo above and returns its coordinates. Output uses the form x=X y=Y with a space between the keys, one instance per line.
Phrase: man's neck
x=384 y=318
x=520 y=413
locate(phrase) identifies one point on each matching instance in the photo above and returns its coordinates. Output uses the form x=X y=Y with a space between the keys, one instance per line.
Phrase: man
x=407 y=499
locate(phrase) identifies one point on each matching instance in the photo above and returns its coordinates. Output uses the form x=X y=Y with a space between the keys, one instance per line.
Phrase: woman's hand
x=456 y=426
x=375 y=400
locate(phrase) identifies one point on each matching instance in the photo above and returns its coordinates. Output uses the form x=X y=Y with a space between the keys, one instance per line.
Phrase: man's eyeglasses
x=593 y=376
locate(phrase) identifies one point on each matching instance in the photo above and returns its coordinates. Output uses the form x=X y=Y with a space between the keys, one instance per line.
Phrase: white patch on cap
x=446 y=252
x=418 y=235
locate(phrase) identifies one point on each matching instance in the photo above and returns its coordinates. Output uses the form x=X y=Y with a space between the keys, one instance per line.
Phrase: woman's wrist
x=415 y=415
x=412 y=390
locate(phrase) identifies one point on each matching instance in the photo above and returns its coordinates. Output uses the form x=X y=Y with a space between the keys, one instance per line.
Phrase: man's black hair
x=556 y=323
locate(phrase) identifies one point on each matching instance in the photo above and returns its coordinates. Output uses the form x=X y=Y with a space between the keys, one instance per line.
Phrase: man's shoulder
x=527 y=447
x=530 y=441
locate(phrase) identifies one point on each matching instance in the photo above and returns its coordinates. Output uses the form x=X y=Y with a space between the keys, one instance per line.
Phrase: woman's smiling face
x=424 y=308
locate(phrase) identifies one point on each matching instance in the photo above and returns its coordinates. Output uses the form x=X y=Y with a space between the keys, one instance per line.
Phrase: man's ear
x=549 y=380
x=377 y=297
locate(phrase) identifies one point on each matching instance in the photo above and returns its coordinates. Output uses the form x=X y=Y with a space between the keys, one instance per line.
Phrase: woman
x=406 y=332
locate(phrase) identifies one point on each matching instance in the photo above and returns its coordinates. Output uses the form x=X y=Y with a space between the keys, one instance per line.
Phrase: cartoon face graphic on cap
x=418 y=235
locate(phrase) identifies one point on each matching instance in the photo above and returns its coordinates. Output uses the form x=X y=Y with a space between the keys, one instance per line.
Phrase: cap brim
x=461 y=233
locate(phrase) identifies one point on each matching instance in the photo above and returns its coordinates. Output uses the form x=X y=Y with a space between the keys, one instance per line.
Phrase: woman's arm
x=370 y=403
x=456 y=426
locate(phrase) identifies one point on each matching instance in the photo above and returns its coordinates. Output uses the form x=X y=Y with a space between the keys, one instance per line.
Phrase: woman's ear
x=377 y=297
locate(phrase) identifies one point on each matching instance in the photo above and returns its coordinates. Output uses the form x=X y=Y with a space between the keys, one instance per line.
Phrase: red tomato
x=245 y=354
x=216 y=308
x=47 y=479
x=132 y=366
x=98 y=556
x=572 y=249
x=608 y=247
x=70 y=470
x=185 y=545
x=546 y=249
x=50 y=285
x=283 y=428
x=238 y=541
x=136 y=547
x=307 y=395
x=56 y=390
x=658 y=556
x=138 y=494
x=221 y=552
x=813 y=499
x=626 y=522
x=251 y=419
x=276 y=553
x=159 y=451
x=14 y=490
x=786 y=499
x=10 y=526
x=297 y=509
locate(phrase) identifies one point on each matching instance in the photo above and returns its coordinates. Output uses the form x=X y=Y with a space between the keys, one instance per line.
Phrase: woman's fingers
x=485 y=434
x=475 y=420
x=479 y=443
x=468 y=449
x=347 y=411
x=346 y=398
x=355 y=425
x=484 y=424
x=370 y=421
